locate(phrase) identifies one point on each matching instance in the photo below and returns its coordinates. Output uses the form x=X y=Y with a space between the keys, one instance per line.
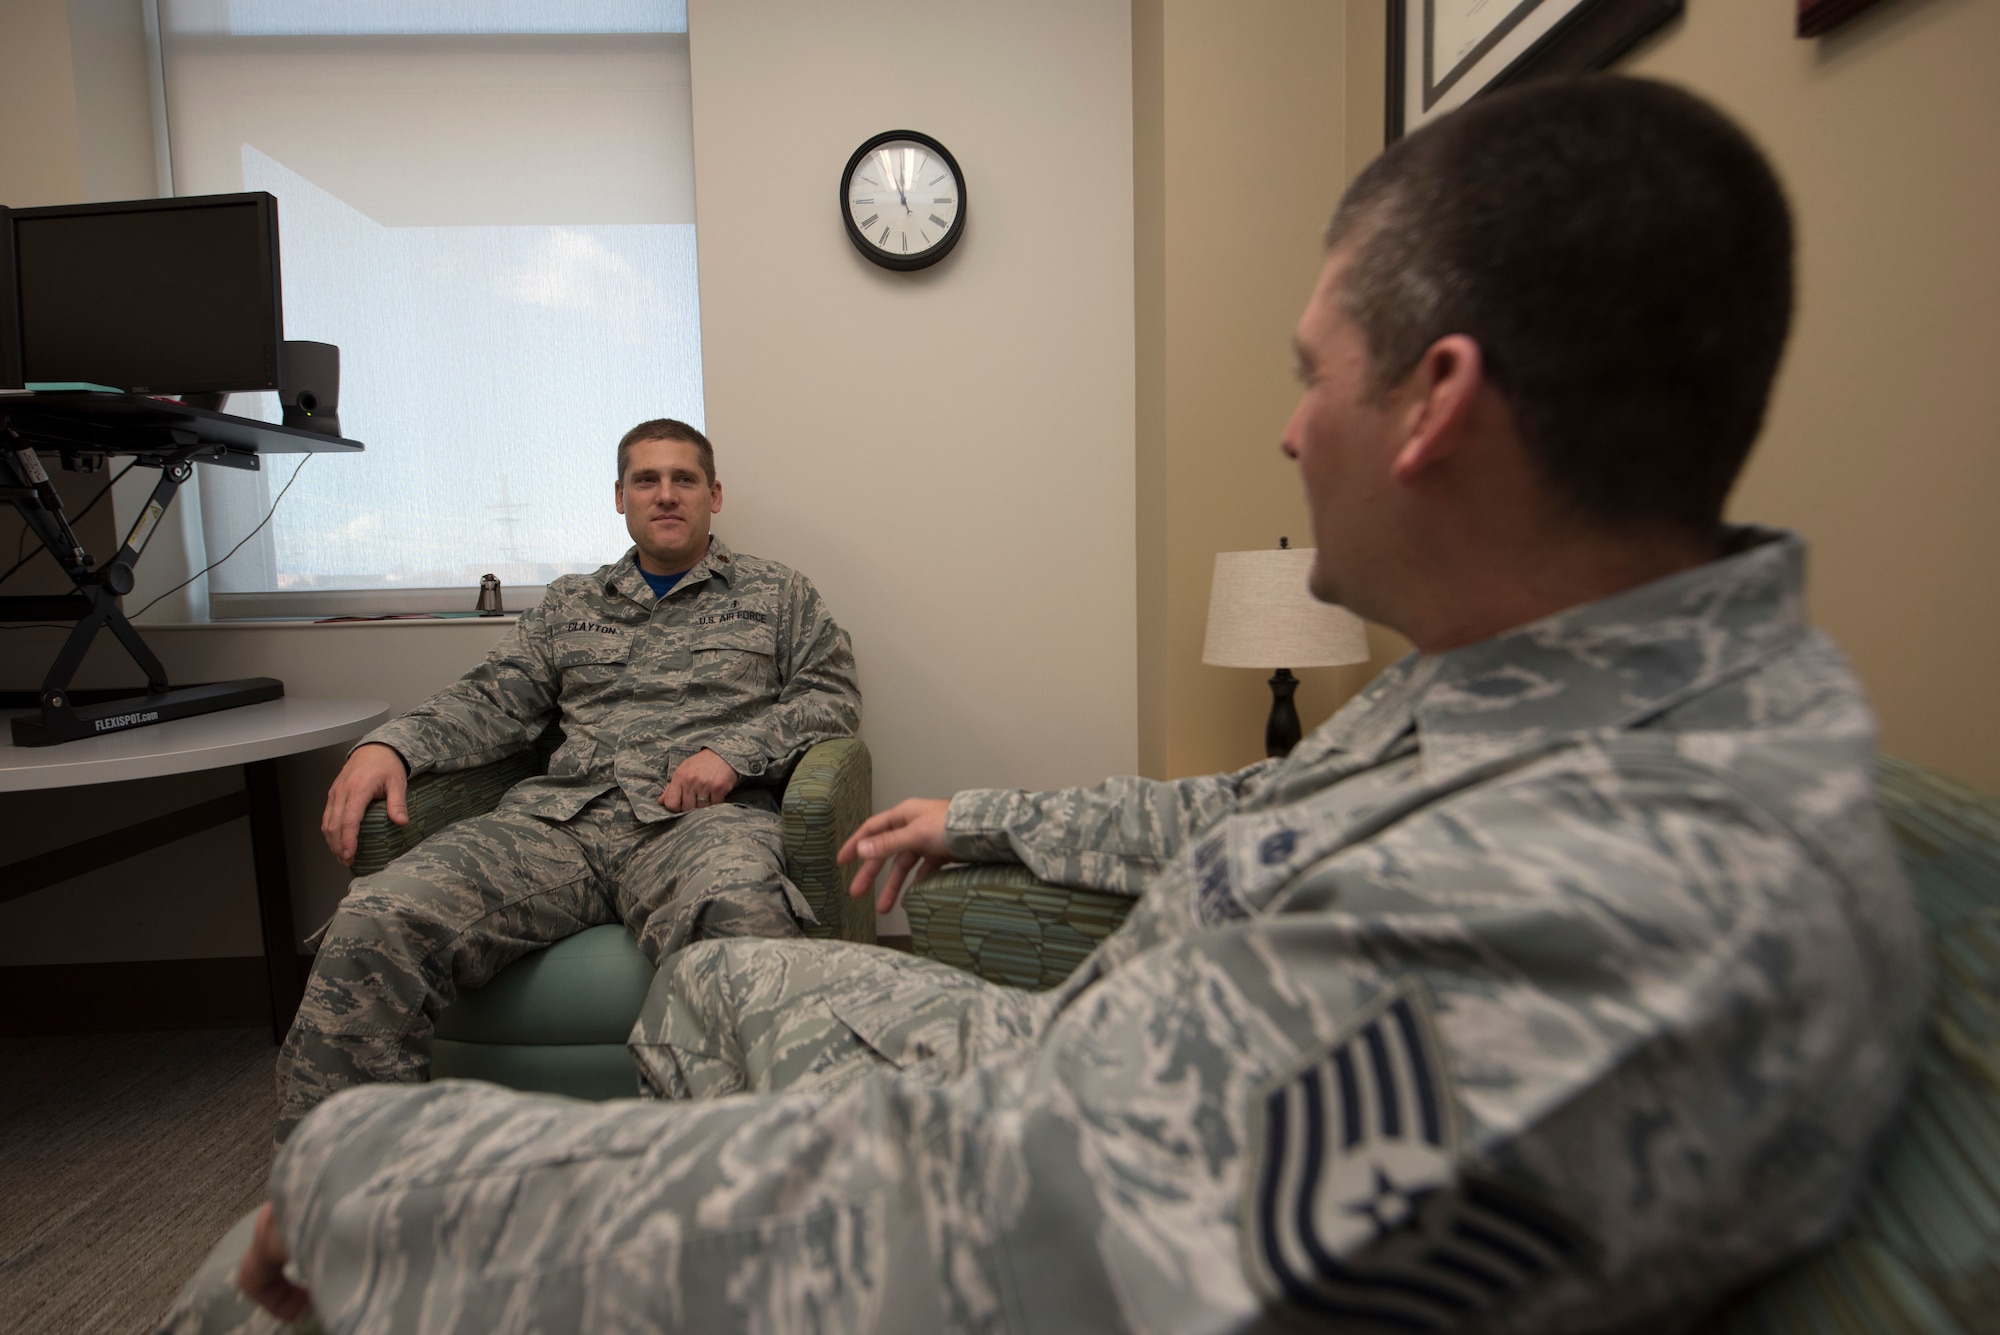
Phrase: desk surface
x=207 y=741
x=139 y=423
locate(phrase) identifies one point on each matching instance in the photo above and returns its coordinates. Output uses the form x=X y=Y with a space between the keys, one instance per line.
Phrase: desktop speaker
x=309 y=386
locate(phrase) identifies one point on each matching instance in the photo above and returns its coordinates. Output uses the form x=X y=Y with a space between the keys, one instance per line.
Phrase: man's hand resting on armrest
x=907 y=839
x=261 y=1276
x=372 y=770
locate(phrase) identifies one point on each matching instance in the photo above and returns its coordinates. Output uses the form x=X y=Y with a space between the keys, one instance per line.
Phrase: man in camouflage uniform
x=1558 y=983
x=688 y=680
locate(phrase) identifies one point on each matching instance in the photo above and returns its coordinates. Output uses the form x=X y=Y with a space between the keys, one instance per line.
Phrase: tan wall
x=114 y=99
x=1883 y=444
x=1149 y=349
x=39 y=159
x=947 y=453
x=1241 y=134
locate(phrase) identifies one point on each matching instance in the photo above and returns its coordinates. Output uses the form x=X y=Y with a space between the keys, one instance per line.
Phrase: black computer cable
x=134 y=616
x=27 y=532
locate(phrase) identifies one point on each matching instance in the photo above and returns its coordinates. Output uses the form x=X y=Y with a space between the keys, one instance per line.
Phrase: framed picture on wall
x=1443 y=53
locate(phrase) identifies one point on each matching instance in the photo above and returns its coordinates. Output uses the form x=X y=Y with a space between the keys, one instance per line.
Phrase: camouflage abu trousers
x=462 y=1207
x=476 y=897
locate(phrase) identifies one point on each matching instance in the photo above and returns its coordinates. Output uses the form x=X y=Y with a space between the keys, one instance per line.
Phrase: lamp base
x=1282 y=731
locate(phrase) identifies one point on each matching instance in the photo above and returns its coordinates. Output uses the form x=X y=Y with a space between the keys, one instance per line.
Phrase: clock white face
x=903 y=197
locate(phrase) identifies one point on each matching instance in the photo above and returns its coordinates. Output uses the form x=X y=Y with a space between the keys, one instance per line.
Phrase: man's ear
x=715 y=497
x=1435 y=401
x=618 y=495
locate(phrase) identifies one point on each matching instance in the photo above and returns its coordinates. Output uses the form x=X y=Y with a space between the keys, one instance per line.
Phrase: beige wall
x=948 y=453
x=114 y=99
x=1883 y=444
x=39 y=160
x=1242 y=144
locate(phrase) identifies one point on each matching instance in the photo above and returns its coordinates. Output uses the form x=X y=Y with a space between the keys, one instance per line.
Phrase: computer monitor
x=159 y=296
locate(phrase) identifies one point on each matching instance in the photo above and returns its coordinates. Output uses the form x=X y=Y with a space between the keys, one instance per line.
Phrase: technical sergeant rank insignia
x=1355 y=1209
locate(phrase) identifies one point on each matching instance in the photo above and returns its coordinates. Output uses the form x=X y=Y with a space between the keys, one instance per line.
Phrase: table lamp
x=1260 y=614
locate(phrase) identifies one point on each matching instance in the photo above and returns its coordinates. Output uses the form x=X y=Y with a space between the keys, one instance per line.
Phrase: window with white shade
x=488 y=205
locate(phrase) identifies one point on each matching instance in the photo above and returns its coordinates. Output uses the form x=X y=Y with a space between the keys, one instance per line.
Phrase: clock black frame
x=923 y=259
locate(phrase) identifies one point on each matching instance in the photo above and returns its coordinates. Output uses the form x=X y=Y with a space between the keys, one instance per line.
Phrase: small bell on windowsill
x=489 y=596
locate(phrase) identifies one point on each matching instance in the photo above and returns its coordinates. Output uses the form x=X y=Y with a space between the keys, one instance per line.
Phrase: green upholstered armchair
x=557 y=1020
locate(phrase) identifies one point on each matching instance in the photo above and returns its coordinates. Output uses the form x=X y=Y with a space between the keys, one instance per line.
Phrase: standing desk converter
x=84 y=429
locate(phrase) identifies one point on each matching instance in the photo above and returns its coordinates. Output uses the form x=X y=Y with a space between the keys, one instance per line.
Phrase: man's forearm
x=1114 y=836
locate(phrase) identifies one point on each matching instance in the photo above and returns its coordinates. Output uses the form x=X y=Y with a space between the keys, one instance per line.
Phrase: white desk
x=253 y=737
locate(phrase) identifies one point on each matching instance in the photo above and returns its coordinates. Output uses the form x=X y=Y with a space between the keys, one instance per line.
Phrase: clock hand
x=889 y=162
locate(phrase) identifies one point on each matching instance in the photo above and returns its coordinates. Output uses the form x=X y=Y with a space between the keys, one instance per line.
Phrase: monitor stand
x=66 y=715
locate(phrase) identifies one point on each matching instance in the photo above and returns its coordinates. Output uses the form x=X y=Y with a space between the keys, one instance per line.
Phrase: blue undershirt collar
x=662 y=584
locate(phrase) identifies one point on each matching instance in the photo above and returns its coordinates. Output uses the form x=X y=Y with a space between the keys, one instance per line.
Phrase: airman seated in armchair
x=688 y=681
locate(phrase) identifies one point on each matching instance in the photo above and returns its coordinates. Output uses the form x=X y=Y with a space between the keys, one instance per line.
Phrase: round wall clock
x=903 y=200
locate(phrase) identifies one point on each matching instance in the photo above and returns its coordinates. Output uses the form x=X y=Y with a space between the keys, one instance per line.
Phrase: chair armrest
x=829 y=795
x=1918 y=1252
x=998 y=921
x=437 y=800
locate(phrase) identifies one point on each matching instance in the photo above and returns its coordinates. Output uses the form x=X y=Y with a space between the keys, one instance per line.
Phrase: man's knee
x=412 y=894
x=688 y=1041
x=729 y=911
x=764 y=910
x=388 y=931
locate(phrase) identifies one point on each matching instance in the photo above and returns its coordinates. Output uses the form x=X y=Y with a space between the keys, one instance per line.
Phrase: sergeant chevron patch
x=1355 y=1209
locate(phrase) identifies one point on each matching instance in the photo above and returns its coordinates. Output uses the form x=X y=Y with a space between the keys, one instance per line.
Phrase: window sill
x=310 y=623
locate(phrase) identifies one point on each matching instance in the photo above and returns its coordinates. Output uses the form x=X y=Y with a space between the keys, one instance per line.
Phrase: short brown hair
x=1622 y=254
x=666 y=428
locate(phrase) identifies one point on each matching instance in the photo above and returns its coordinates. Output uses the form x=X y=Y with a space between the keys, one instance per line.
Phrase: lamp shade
x=1261 y=615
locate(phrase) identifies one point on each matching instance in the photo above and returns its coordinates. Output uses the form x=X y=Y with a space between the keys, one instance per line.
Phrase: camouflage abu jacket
x=1558 y=982
x=740 y=657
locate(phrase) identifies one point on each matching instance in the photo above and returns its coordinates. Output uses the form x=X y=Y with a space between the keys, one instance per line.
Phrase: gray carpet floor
x=123 y=1157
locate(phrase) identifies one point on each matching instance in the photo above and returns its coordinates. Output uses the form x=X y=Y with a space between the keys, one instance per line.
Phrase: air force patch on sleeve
x=1355 y=1210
